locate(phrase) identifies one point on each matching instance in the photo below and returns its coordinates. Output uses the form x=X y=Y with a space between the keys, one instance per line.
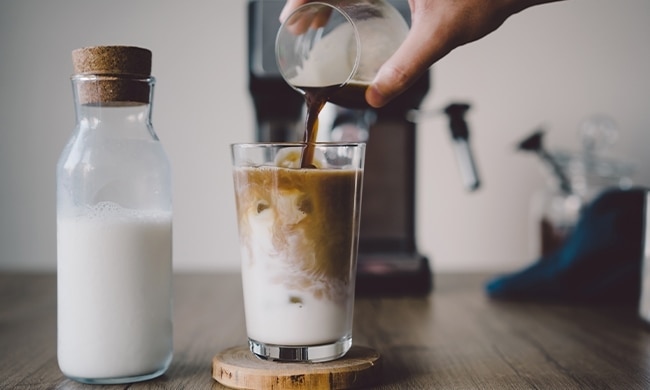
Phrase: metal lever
x=460 y=136
x=534 y=143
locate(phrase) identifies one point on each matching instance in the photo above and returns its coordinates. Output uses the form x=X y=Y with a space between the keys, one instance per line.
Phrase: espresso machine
x=389 y=262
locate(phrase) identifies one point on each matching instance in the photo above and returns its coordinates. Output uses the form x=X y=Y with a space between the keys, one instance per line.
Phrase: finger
x=321 y=17
x=421 y=48
x=312 y=17
x=289 y=7
x=299 y=22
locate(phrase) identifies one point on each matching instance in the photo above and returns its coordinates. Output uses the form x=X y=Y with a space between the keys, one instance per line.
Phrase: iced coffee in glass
x=298 y=232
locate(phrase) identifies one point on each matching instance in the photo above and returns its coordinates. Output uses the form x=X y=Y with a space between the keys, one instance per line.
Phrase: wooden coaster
x=240 y=369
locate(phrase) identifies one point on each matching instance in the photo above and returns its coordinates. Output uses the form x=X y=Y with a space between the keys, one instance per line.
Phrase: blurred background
x=551 y=66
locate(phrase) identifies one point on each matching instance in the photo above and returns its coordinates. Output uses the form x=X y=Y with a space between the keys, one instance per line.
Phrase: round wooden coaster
x=240 y=369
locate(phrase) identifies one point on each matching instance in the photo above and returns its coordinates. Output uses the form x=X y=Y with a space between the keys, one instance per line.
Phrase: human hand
x=437 y=27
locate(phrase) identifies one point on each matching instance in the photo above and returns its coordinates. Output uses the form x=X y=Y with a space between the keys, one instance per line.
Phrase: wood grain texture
x=238 y=368
x=455 y=338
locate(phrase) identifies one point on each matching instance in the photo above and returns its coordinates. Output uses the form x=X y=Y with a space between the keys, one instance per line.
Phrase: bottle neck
x=118 y=105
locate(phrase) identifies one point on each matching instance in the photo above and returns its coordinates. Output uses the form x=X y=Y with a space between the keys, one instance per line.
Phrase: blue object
x=599 y=262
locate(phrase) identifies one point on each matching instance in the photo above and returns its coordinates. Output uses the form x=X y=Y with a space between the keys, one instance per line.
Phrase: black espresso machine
x=389 y=261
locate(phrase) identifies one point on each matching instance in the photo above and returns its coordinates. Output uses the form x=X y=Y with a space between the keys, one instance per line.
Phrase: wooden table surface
x=455 y=338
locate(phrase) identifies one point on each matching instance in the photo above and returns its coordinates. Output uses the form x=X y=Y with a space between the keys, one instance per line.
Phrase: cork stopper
x=113 y=60
x=120 y=74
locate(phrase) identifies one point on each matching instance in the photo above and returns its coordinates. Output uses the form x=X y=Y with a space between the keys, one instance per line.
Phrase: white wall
x=552 y=64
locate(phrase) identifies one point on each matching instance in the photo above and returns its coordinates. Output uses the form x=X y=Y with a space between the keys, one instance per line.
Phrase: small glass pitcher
x=338 y=44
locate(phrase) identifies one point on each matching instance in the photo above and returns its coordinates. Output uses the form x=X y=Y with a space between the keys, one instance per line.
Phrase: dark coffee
x=350 y=95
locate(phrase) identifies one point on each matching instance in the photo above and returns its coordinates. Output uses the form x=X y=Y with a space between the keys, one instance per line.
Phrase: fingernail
x=284 y=14
x=374 y=97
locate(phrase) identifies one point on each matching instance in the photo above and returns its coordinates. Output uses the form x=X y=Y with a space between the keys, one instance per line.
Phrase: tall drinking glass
x=298 y=232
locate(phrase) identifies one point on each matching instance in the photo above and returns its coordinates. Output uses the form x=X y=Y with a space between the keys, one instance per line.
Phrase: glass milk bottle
x=114 y=225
